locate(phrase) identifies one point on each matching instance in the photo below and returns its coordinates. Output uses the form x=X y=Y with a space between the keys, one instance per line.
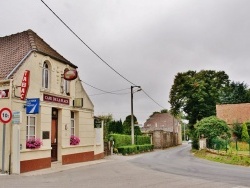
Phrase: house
x=48 y=102
x=233 y=113
x=165 y=130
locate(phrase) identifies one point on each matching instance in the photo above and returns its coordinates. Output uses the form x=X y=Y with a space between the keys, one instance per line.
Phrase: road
x=170 y=168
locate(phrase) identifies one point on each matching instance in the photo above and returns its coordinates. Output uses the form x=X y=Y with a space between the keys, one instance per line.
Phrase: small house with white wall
x=52 y=115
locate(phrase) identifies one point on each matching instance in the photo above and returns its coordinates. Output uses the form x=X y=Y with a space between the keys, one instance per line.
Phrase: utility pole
x=132 y=115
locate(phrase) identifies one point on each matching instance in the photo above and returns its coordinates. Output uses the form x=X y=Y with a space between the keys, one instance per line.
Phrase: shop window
x=45 y=76
x=72 y=122
x=31 y=127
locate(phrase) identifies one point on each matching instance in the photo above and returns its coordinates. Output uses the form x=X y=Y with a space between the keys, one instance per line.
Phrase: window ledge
x=75 y=146
x=34 y=150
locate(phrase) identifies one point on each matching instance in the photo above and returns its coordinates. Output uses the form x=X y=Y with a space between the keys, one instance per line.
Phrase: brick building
x=165 y=130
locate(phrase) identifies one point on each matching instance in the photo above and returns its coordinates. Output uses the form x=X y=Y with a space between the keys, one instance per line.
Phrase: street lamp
x=132 y=115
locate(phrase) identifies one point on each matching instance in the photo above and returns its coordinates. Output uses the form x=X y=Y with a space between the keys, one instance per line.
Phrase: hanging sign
x=25 y=84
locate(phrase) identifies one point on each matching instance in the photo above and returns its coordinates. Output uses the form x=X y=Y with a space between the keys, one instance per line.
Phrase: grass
x=234 y=159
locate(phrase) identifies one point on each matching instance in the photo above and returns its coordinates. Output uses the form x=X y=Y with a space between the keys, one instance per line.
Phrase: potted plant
x=74 y=140
x=33 y=143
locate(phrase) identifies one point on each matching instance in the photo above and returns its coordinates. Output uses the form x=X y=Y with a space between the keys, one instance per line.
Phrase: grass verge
x=222 y=158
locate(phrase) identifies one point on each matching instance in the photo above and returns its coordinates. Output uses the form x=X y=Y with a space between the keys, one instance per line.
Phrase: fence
x=230 y=146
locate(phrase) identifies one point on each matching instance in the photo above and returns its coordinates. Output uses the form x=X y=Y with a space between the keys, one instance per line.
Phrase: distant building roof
x=15 y=47
x=233 y=113
x=161 y=121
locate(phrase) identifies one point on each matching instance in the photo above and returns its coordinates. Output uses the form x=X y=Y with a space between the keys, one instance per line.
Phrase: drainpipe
x=18 y=65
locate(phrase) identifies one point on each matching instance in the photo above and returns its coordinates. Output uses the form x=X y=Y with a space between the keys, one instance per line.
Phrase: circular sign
x=5 y=115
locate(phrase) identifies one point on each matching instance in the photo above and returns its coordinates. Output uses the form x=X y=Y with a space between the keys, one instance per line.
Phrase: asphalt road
x=170 y=168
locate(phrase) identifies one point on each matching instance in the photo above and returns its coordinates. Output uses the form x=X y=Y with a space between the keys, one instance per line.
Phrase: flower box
x=74 y=140
x=33 y=143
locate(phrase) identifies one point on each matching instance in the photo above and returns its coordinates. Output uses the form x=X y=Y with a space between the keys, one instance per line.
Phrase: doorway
x=54 y=135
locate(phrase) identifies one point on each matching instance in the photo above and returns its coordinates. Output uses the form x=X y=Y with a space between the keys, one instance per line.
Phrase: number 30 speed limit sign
x=5 y=115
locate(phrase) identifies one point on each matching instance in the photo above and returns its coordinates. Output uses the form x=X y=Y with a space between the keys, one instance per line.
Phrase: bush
x=125 y=140
x=219 y=143
x=127 y=149
x=135 y=149
x=146 y=147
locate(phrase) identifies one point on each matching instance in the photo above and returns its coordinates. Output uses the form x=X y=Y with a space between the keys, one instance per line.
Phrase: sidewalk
x=58 y=167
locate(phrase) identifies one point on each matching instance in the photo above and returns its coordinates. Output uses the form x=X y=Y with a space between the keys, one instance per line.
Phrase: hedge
x=135 y=149
x=125 y=140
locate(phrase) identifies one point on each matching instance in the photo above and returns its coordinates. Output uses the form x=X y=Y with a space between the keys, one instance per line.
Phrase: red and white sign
x=25 y=84
x=5 y=115
x=70 y=74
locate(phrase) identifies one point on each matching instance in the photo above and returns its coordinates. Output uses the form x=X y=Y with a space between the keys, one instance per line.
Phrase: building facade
x=48 y=103
x=165 y=130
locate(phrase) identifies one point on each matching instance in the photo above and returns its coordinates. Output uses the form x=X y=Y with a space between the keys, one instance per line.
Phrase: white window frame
x=65 y=86
x=45 y=75
x=30 y=126
x=72 y=123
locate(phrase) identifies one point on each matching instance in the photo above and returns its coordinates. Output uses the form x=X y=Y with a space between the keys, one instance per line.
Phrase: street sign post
x=5 y=117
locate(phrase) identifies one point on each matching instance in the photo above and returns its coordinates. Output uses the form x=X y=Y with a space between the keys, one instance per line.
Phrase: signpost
x=5 y=117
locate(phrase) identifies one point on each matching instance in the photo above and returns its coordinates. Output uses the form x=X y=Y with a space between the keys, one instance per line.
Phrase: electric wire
x=86 y=44
x=105 y=92
x=152 y=98
x=98 y=57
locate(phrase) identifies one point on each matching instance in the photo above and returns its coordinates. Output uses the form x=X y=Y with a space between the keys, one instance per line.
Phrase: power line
x=97 y=56
x=86 y=44
x=105 y=92
x=152 y=99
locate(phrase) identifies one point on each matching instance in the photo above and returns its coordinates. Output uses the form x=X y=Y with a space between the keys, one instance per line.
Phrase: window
x=45 y=76
x=30 y=127
x=65 y=86
x=72 y=122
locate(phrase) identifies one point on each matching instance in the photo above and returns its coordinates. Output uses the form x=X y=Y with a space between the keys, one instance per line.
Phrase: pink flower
x=33 y=143
x=74 y=140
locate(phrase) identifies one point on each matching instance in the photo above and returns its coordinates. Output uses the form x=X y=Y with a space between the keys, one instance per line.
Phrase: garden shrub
x=125 y=140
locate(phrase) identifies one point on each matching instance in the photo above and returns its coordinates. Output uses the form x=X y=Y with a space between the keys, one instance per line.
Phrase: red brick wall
x=36 y=164
x=78 y=157
x=99 y=156
x=232 y=113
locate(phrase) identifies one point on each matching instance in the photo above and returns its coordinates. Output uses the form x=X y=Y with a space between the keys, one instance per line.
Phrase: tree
x=237 y=130
x=115 y=127
x=127 y=126
x=235 y=93
x=244 y=135
x=211 y=128
x=196 y=93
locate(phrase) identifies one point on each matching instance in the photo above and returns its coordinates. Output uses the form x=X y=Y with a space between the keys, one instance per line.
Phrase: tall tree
x=196 y=93
x=115 y=127
x=235 y=93
x=127 y=125
x=244 y=135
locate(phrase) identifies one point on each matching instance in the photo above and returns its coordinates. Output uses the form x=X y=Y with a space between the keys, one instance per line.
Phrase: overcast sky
x=146 y=41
